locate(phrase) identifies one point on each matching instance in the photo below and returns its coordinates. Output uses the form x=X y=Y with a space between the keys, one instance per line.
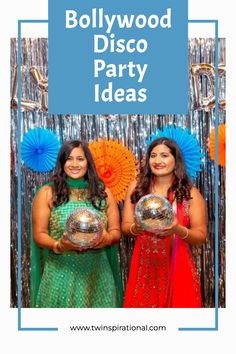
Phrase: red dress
x=161 y=275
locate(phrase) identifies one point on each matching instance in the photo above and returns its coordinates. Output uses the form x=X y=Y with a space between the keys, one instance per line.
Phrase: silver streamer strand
x=132 y=131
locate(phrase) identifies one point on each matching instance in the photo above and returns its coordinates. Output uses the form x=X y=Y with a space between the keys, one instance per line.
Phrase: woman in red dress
x=163 y=272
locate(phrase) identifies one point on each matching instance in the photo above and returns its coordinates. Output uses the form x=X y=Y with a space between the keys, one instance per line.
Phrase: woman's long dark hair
x=96 y=188
x=181 y=185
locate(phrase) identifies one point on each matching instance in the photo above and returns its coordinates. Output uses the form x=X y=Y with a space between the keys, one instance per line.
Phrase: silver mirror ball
x=84 y=227
x=154 y=213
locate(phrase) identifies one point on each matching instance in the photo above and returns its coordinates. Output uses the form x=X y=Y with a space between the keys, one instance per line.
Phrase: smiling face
x=161 y=161
x=76 y=165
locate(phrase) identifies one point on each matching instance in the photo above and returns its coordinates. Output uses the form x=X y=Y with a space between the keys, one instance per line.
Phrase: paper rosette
x=39 y=149
x=188 y=146
x=221 y=144
x=115 y=164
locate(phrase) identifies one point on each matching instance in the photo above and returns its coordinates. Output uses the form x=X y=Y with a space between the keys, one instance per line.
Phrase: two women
x=162 y=271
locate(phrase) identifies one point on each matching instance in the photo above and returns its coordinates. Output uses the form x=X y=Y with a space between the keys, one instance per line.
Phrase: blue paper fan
x=188 y=145
x=39 y=149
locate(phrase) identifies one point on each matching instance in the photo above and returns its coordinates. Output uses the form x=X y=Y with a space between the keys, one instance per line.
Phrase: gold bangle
x=132 y=231
x=56 y=248
x=60 y=248
x=187 y=234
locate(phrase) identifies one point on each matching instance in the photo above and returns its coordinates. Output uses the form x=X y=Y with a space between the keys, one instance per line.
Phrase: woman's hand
x=106 y=240
x=170 y=230
x=66 y=245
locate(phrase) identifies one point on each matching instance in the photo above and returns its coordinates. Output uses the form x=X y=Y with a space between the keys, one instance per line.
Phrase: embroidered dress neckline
x=80 y=183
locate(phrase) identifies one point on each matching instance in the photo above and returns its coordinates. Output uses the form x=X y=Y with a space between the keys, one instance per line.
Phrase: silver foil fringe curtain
x=132 y=131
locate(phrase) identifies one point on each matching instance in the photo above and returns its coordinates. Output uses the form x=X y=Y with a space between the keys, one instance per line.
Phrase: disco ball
x=84 y=227
x=154 y=213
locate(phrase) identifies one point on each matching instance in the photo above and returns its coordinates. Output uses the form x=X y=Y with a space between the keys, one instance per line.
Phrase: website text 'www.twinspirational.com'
x=116 y=328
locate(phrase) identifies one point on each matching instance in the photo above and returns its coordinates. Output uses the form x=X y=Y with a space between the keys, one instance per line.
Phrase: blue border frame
x=20 y=328
x=215 y=328
x=19 y=181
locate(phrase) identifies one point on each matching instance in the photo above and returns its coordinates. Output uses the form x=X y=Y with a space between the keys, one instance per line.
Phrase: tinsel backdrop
x=130 y=130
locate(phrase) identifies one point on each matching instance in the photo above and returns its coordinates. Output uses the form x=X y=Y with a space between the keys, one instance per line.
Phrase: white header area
x=212 y=10
x=201 y=30
x=34 y=30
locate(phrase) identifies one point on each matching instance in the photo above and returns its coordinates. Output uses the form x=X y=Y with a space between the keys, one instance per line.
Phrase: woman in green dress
x=75 y=276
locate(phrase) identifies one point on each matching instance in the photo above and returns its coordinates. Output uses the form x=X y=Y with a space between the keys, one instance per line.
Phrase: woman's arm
x=112 y=234
x=40 y=218
x=41 y=211
x=129 y=226
x=196 y=233
x=198 y=219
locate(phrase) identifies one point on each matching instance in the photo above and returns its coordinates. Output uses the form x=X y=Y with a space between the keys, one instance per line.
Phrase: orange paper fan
x=221 y=145
x=115 y=164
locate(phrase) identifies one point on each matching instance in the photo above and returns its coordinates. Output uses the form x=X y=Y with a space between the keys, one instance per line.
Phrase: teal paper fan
x=188 y=145
x=39 y=149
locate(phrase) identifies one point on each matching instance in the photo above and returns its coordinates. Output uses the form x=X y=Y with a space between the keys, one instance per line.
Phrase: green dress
x=75 y=279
